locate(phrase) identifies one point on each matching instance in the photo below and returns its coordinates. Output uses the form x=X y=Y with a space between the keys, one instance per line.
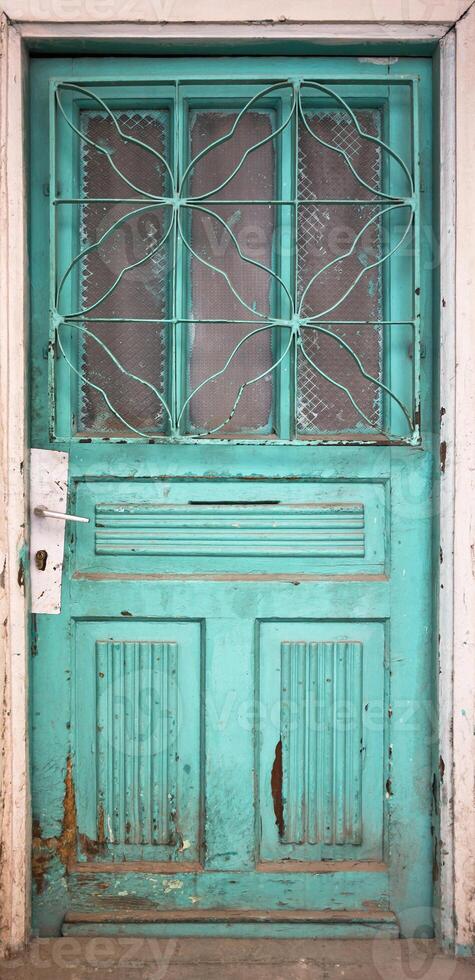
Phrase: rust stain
x=21 y=574
x=93 y=848
x=276 y=789
x=67 y=842
x=64 y=846
x=101 y=834
x=39 y=860
x=443 y=456
x=90 y=848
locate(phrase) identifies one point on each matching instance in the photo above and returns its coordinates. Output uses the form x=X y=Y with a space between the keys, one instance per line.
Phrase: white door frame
x=451 y=25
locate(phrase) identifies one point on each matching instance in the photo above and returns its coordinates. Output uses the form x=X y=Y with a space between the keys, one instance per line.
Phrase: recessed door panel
x=137 y=733
x=321 y=740
x=269 y=527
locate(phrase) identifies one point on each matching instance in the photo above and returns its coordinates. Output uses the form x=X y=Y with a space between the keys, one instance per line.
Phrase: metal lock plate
x=48 y=489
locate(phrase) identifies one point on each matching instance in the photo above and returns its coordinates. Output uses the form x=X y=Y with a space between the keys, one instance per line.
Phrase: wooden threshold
x=133 y=915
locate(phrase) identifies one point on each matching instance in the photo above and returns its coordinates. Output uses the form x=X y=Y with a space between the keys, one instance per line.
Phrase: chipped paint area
x=65 y=845
x=172 y=885
x=379 y=61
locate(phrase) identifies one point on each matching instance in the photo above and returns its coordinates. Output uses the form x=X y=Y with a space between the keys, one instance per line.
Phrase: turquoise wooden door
x=231 y=337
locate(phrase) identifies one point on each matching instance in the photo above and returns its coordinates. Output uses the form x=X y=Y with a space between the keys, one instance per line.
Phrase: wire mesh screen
x=223 y=284
x=124 y=277
x=326 y=235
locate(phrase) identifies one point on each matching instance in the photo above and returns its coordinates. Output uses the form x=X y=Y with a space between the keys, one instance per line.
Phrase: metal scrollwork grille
x=233 y=270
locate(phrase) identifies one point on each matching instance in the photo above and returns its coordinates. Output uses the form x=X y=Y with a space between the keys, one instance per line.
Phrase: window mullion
x=286 y=247
x=178 y=346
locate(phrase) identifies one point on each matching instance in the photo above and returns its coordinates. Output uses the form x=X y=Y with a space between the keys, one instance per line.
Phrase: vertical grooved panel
x=321 y=732
x=339 y=757
x=327 y=695
x=312 y=765
x=137 y=703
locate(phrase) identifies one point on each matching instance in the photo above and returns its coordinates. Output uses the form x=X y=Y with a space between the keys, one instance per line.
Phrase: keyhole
x=41 y=558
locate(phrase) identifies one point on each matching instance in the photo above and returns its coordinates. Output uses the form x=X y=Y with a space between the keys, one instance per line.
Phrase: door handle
x=44 y=512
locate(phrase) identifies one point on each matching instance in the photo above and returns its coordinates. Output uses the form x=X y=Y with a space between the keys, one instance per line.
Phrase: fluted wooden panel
x=321 y=732
x=308 y=530
x=136 y=741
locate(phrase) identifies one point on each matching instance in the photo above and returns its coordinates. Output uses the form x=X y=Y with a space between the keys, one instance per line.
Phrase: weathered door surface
x=231 y=337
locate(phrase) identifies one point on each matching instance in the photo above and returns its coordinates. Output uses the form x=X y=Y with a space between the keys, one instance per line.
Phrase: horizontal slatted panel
x=310 y=530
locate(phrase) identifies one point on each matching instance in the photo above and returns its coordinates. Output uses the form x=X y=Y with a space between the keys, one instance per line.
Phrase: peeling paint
x=379 y=61
x=276 y=789
x=64 y=846
x=443 y=456
x=172 y=885
x=90 y=848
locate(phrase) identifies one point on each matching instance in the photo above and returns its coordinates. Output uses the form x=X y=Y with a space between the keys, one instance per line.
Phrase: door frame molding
x=449 y=26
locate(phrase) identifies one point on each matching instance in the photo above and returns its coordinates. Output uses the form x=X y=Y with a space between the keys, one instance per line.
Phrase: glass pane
x=340 y=278
x=123 y=273
x=224 y=286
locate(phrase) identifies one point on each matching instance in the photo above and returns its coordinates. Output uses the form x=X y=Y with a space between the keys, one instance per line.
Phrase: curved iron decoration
x=288 y=291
